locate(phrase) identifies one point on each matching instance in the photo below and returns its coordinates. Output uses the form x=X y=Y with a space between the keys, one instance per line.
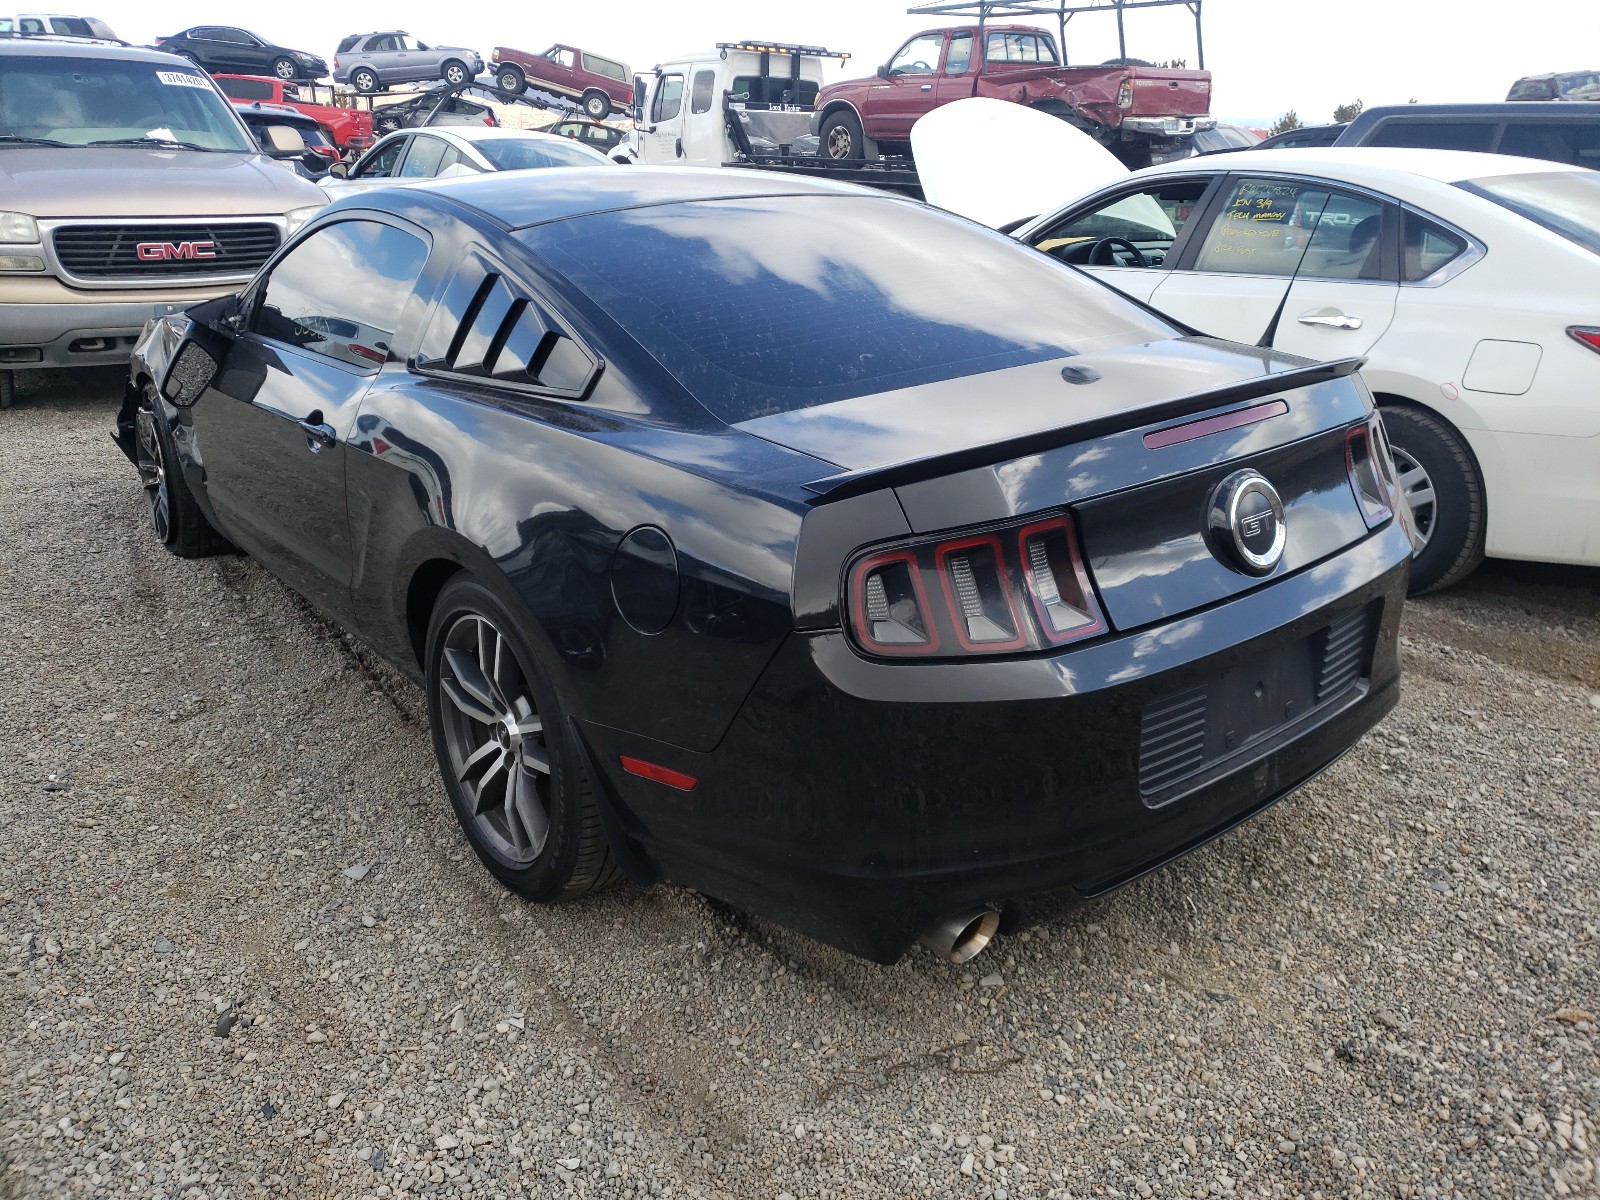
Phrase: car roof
x=519 y=199
x=1499 y=110
x=1372 y=166
x=45 y=48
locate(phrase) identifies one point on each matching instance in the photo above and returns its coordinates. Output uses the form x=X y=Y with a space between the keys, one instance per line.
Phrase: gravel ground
x=246 y=953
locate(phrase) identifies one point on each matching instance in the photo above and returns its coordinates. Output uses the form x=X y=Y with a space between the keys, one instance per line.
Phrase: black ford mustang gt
x=803 y=545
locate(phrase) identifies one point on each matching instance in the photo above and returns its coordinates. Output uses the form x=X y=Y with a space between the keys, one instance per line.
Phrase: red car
x=349 y=128
x=603 y=85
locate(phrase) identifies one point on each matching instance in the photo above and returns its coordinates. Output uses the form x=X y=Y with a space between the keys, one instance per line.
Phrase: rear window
x=517 y=155
x=766 y=305
x=346 y=43
x=246 y=89
x=1564 y=202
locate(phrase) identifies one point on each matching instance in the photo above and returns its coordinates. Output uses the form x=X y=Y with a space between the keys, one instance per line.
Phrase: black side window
x=1433 y=135
x=1428 y=246
x=669 y=98
x=703 y=84
x=314 y=300
x=346 y=43
x=487 y=327
x=383 y=162
x=1577 y=143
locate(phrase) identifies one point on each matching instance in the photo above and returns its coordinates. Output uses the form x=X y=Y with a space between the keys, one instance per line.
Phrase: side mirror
x=883 y=72
x=339 y=171
x=286 y=139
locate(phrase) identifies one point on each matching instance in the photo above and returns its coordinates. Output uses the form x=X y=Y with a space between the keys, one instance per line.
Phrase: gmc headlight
x=18 y=229
x=296 y=217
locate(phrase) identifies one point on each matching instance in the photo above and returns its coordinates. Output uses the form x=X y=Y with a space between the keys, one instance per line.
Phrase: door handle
x=927 y=87
x=318 y=433
x=1330 y=320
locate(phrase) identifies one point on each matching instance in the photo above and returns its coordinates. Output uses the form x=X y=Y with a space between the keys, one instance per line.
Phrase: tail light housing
x=1005 y=590
x=1125 y=93
x=1374 y=479
x=1589 y=335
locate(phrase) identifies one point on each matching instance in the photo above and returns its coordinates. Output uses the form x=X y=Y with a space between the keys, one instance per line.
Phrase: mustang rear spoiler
x=854 y=483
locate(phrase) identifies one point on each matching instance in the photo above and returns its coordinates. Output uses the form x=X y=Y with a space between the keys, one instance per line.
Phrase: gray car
x=370 y=62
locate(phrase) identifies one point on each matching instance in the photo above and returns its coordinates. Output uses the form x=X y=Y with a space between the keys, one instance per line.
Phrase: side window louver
x=503 y=336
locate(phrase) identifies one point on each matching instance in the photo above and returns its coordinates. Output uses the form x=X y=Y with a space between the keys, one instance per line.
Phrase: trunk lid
x=1168 y=92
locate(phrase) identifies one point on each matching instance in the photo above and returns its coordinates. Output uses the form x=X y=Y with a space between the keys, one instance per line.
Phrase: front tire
x=511 y=79
x=511 y=764
x=842 y=139
x=455 y=73
x=597 y=104
x=1444 y=486
x=175 y=517
x=364 y=80
x=285 y=69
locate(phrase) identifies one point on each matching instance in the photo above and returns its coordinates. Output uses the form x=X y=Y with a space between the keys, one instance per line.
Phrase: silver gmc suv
x=129 y=188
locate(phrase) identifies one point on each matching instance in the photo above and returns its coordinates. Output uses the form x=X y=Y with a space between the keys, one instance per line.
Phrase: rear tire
x=1442 y=482
x=597 y=104
x=175 y=518
x=455 y=73
x=285 y=69
x=8 y=388
x=519 y=781
x=364 y=80
x=842 y=139
x=511 y=79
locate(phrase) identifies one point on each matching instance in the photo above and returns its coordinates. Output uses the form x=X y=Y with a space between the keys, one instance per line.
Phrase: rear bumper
x=1167 y=126
x=860 y=802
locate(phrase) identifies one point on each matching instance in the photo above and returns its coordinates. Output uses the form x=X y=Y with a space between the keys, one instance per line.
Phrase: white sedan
x=413 y=155
x=1469 y=282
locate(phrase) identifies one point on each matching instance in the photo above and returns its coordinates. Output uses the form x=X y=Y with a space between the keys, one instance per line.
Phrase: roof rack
x=1063 y=11
x=759 y=47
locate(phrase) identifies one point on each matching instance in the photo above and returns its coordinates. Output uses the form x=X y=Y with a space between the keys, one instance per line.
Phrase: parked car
x=350 y=129
x=130 y=188
x=58 y=25
x=417 y=155
x=1223 y=136
x=371 y=62
x=1303 y=138
x=1564 y=85
x=698 y=590
x=317 y=152
x=226 y=48
x=1567 y=133
x=601 y=85
x=443 y=105
x=604 y=138
x=1468 y=282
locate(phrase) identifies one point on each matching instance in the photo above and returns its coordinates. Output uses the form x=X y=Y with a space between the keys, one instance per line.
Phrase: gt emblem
x=1245 y=523
x=159 y=251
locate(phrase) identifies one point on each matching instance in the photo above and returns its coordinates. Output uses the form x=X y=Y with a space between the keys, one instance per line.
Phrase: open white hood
x=999 y=163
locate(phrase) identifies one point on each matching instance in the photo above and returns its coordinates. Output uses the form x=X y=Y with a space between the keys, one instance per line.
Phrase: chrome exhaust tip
x=963 y=937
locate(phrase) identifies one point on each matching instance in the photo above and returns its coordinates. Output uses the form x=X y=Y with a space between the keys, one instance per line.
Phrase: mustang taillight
x=1590 y=337
x=1372 y=473
x=999 y=591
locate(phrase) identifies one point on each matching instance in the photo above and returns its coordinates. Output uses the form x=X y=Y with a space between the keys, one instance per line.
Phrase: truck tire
x=842 y=139
x=511 y=79
x=455 y=73
x=285 y=69
x=1442 y=481
x=597 y=104
x=8 y=388
x=364 y=80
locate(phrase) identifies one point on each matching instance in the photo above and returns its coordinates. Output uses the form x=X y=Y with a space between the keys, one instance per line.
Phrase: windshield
x=767 y=305
x=508 y=154
x=76 y=101
x=1564 y=202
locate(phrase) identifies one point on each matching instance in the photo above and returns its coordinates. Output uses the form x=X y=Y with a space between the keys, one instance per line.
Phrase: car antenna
x=1271 y=333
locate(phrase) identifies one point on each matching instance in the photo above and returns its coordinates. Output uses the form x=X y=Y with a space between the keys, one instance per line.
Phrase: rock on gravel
x=1382 y=988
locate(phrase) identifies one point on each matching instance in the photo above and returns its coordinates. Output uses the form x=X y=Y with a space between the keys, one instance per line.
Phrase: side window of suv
x=1434 y=135
x=312 y=302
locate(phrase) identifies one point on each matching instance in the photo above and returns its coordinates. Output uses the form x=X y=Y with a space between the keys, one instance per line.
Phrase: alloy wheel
x=153 y=474
x=285 y=69
x=840 y=143
x=1419 y=492
x=495 y=738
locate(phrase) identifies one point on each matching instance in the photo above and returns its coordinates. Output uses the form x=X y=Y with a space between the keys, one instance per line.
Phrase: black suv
x=1568 y=133
x=239 y=52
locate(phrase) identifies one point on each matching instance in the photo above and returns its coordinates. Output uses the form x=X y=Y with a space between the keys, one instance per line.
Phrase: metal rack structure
x=1034 y=10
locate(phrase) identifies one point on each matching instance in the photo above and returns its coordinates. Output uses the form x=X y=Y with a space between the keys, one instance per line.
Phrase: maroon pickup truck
x=1142 y=114
x=601 y=85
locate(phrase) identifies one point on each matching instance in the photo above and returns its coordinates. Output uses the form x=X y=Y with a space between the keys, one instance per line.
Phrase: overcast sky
x=1265 y=58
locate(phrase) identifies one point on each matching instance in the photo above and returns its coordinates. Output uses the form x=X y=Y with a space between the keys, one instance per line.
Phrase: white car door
x=1127 y=238
x=663 y=136
x=1305 y=260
